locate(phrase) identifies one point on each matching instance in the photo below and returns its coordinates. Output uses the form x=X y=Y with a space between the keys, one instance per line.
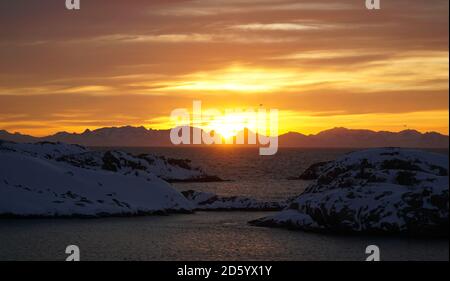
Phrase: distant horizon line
x=151 y=129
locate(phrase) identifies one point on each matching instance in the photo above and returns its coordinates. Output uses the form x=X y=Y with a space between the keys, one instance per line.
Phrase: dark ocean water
x=247 y=173
x=211 y=235
x=202 y=236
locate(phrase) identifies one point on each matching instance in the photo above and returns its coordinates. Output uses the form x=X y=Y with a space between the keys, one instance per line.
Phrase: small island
x=381 y=191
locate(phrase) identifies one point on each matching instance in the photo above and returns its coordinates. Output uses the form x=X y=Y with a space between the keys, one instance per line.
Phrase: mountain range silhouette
x=129 y=136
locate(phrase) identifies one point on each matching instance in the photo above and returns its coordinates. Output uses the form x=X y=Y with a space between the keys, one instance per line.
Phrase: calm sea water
x=210 y=235
x=202 y=236
x=247 y=173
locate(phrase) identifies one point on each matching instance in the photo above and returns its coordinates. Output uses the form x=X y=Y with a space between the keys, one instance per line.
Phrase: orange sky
x=321 y=63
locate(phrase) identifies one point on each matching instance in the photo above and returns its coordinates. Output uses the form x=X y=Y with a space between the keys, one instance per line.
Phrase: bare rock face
x=387 y=190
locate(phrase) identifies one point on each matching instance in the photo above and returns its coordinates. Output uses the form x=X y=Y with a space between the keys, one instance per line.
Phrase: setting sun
x=228 y=126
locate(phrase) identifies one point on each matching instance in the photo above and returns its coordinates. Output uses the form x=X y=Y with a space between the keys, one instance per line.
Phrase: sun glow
x=228 y=126
x=234 y=79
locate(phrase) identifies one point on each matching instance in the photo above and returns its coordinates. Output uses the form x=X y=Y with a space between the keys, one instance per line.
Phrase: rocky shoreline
x=205 y=201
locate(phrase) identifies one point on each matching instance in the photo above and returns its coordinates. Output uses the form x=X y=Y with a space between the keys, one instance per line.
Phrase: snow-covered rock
x=47 y=150
x=313 y=172
x=206 y=201
x=168 y=169
x=386 y=190
x=171 y=170
x=35 y=182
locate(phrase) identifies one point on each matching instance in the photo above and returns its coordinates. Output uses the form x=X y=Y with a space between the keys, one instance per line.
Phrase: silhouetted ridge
x=336 y=137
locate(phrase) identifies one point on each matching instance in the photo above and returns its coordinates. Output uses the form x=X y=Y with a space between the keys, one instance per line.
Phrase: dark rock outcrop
x=205 y=201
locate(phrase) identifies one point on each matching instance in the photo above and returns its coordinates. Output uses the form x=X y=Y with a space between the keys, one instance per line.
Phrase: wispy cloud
x=211 y=8
x=278 y=26
x=174 y=38
x=90 y=89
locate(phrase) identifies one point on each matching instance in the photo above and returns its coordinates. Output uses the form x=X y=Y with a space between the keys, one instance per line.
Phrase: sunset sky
x=321 y=63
